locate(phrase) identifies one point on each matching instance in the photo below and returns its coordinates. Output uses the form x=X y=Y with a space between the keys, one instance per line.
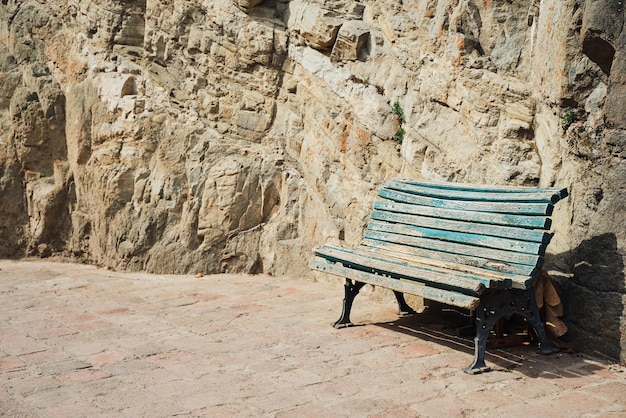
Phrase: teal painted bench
x=476 y=247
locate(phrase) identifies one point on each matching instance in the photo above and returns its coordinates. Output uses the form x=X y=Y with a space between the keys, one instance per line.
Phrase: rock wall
x=233 y=135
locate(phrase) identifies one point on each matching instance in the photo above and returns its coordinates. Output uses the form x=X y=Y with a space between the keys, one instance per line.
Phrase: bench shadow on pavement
x=441 y=328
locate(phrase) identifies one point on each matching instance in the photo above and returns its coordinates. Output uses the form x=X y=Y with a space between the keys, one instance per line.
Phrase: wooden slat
x=518 y=273
x=499 y=277
x=451 y=281
x=535 y=222
x=516 y=208
x=562 y=193
x=496 y=271
x=522 y=234
x=487 y=188
x=479 y=192
x=453 y=248
x=459 y=238
x=404 y=286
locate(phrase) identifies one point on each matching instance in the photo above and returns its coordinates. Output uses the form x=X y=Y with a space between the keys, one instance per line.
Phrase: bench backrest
x=492 y=230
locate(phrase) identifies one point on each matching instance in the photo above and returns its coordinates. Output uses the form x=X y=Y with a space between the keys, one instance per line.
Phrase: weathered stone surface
x=353 y=42
x=246 y=5
x=317 y=25
x=188 y=136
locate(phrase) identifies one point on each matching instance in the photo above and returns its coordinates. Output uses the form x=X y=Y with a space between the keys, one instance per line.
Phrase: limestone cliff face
x=233 y=135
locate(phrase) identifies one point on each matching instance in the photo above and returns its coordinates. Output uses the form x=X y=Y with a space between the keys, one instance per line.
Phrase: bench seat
x=466 y=245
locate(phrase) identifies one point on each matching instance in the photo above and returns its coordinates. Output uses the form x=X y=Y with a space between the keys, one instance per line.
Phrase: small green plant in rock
x=568 y=118
x=396 y=109
x=400 y=135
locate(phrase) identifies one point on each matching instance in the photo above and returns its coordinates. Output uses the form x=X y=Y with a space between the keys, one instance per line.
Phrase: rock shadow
x=593 y=290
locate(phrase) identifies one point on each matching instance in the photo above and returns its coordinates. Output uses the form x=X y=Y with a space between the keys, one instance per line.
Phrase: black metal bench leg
x=496 y=305
x=351 y=290
x=403 y=308
x=485 y=321
x=546 y=347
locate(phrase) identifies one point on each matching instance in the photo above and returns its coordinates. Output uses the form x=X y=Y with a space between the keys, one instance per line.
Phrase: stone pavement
x=79 y=341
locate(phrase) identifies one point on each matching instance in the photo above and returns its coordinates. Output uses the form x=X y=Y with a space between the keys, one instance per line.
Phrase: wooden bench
x=472 y=246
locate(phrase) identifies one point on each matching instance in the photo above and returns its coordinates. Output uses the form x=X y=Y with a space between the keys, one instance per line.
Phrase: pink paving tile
x=248 y=307
x=206 y=297
x=115 y=311
x=11 y=363
x=79 y=318
x=102 y=359
x=416 y=349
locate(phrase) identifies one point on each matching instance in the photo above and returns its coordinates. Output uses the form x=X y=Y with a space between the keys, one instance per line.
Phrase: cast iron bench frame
x=477 y=247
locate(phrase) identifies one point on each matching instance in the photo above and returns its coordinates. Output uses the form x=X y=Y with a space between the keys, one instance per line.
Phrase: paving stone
x=277 y=401
x=484 y=400
x=396 y=412
x=28 y=386
x=19 y=345
x=106 y=358
x=129 y=367
x=10 y=363
x=174 y=389
x=91 y=326
x=81 y=347
x=61 y=395
x=611 y=391
x=570 y=404
x=231 y=409
x=165 y=410
x=63 y=367
x=330 y=391
x=446 y=406
x=45 y=357
x=73 y=409
x=361 y=405
x=82 y=376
